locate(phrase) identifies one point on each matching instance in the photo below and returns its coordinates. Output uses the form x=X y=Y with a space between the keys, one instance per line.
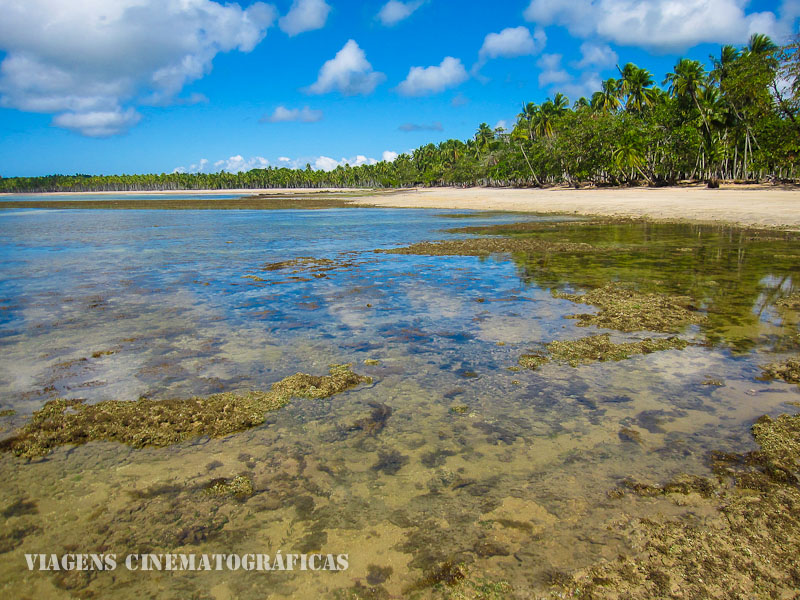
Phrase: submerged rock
x=487 y=246
x=147 y=422
x=598 y=348
x=748 y=550
x=625 y=309
x=239 y=487
x=788 y=370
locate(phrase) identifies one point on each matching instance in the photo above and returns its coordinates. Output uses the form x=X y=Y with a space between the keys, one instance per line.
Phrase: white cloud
x=585 y=86
x=552 y=73
x=305 y=15
x=98 y=123
x=325 y=163
x=349 y=72
x=91 y=62
x=596 y=55
x=236 y=164
x=239 y=163
x=197 y=167
x=661 y=25
x=432 y=80
x=303 y=115
x=393 y=11
x=513 y=41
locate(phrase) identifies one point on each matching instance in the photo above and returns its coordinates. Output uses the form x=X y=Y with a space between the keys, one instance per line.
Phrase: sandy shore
x=755 y=205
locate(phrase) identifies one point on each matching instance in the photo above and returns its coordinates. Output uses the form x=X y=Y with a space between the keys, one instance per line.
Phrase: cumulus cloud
x=661 y=25
x=304 y=15
x=393 y=11
x=197 y=167
x=596 y=55
x=237 y=164
x=584 y=86
x=98 y=123
x=91 y=63
x=284 y=115
x=434 y=79
x=325 y=163
x=349 y=72
x=408 y=127
x=513 y=41
x=551 y=70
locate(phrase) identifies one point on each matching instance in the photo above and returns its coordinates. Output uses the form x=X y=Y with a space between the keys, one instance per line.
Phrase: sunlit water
x=516 y=487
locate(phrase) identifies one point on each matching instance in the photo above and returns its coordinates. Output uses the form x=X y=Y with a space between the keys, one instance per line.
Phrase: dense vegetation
x=738 y=121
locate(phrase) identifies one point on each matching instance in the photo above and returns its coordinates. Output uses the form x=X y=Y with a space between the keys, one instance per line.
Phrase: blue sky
x=134 y=86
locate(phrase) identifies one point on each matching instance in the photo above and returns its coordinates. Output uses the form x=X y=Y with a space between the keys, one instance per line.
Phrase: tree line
x=738 y=120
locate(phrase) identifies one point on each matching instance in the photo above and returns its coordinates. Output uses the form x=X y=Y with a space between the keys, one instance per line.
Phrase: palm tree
x=728 y=55
x=560 y=103
x=687 y=80
x=636 y=85
x=760 y=44
x=484 y=137
x=607 y=100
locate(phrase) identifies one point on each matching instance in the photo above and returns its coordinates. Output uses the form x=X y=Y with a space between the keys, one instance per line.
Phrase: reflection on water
x=452 y=454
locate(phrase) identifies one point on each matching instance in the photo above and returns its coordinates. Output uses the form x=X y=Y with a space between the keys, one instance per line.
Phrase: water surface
x=126 y=304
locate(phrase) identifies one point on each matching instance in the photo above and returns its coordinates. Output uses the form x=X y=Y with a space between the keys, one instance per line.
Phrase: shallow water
x=125 y=304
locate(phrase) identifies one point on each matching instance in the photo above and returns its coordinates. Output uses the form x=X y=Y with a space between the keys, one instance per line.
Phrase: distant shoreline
x=750 y=205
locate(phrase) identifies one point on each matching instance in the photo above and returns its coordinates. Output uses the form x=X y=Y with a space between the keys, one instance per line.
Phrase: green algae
x=453 y=581
x=788 y=370
x=749 y=550
x=791 y=302
x=488 y=246
x=625 y=309
x=779 y=440
x=598 y=348
x=147 y=422
x=239 y=487
x=371 y=362
x=459 y=409
x=532 y=361
x=9 y=412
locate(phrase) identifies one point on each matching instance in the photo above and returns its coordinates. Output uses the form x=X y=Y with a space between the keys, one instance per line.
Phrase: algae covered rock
x=598 y=348
x=788 y=370
x=488 y=246
x=779 y=440
x=626 y=309
x=147 y=422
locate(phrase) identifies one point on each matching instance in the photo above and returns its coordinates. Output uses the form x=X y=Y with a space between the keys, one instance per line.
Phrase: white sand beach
x=764 y=206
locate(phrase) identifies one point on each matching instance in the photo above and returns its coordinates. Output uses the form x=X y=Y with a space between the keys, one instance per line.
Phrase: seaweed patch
x=625 y=309
x=597 y=348
x=147 y=422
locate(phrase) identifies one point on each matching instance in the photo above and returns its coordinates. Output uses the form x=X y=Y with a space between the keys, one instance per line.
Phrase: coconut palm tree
x=637 y=87
x=760 y=43
x=608 y=98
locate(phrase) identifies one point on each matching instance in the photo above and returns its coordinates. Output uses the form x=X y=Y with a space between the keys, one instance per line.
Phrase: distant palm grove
x=738 y=121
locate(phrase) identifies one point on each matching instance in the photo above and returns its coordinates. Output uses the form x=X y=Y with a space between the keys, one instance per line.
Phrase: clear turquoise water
x=163 y=302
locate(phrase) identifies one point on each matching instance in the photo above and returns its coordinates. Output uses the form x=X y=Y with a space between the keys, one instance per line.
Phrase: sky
x=155 y=86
